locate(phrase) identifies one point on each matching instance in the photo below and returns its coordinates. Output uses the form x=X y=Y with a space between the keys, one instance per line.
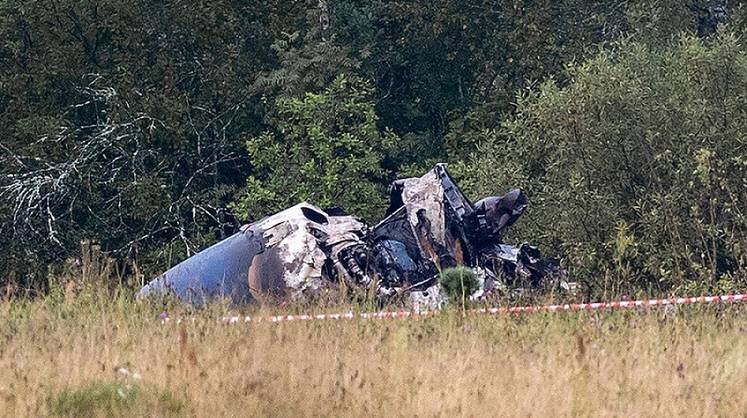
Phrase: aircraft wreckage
x=303 y=251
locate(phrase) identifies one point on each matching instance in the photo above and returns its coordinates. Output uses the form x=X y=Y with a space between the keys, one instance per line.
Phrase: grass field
x=60 y=356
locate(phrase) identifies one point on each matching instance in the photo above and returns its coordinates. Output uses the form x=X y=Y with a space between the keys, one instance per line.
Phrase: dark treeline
x=154 y=128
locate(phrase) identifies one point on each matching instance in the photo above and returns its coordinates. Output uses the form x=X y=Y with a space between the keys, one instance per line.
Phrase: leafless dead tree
x=106 y=159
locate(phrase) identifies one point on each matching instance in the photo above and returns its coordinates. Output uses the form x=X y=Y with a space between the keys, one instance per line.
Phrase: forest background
x=147 y=130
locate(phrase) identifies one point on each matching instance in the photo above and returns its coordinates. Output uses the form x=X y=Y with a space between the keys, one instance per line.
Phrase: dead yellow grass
x=690 y=362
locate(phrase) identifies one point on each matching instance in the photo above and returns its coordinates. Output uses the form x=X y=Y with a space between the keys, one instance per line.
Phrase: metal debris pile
x=304 y=251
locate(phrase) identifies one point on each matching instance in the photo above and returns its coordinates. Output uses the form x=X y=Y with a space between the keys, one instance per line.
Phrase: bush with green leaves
x=459 y=282
x=324 y=148
x=637 y=169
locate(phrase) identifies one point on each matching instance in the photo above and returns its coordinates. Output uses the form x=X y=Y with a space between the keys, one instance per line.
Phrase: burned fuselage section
x=287 y=255
x=302 y=251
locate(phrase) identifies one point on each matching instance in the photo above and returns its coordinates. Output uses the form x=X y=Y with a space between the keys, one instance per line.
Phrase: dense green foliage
x=155 y=128
x=324 y=148
x=120 y=122
x=637 y=169
x=459 y=283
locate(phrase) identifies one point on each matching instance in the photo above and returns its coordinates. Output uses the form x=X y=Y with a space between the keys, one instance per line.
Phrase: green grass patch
x=101 y=398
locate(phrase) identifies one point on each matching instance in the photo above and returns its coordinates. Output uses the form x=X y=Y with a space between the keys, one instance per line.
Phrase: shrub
x=325 y=148
x=636 y=170
x=459 y=282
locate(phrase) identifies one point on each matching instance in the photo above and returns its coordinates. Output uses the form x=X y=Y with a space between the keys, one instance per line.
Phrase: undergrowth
x=65 y=355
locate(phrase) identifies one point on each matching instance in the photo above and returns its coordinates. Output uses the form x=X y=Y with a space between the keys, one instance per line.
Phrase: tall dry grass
x=59 y=355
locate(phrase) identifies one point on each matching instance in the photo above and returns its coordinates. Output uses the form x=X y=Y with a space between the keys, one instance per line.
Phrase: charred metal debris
x=430 y=225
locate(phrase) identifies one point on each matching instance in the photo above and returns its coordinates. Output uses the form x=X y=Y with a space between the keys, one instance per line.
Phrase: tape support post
x=595 y=306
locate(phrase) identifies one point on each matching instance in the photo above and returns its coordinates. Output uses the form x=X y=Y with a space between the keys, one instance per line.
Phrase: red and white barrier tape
x=595 y=306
